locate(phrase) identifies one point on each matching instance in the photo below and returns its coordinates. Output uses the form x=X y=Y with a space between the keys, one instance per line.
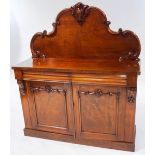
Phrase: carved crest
x=80 y=12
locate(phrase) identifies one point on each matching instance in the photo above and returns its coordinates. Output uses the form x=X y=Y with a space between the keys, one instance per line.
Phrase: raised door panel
x=51 y=107
x=99 y=112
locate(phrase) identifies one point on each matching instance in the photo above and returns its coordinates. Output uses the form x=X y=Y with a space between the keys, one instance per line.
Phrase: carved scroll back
x=83 y=32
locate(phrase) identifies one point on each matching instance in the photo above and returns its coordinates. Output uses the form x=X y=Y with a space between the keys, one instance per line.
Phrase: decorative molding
x=38 y=54
x=80 y=12
x=48 y=89
x=130 y=56
x=131 y=94
x=21 y=87
x=98 y=93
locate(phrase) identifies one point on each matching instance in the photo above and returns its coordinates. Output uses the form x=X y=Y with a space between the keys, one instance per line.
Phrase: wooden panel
x=83 y=32
x=99 y=112
x=51 y=107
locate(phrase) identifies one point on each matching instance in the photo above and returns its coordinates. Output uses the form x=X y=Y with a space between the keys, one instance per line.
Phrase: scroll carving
x=48 y=89
x=130 y=56
x=107 y=23
x=98 y=93
x=21 y=87
x=55 y=24
x=121 y=32
x=80 y=12
x=38 y=54
x=131 y=94
x=106 y=43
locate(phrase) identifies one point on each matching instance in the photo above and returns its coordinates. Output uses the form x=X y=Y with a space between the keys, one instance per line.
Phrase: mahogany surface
x=91 y=38
x=79 y=65
x=80 y=84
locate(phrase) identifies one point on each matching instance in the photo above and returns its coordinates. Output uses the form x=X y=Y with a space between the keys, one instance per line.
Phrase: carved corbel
x=21 y=87
x=131 y=94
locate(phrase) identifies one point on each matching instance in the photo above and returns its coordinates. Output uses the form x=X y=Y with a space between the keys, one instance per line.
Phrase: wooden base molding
x=66 y=138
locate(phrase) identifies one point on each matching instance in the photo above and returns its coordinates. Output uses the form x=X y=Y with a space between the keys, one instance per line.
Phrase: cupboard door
x=51 y=106
x=99 y=112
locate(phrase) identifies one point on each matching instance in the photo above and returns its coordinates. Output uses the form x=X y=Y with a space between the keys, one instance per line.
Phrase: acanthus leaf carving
x=80 y=12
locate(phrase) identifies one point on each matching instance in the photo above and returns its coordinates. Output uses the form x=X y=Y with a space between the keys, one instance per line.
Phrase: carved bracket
x=131 y=94
x=98 y=93
x=80 y=12
x=48 y=89
x=21 y=87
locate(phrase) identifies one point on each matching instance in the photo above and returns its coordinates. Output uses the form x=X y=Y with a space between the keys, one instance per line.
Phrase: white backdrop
x=31 y=16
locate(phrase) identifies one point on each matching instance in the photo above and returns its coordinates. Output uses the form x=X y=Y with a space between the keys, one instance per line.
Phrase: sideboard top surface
x=78 y=65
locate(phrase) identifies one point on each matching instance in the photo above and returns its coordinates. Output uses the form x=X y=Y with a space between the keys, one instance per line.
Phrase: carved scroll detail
x=21 y=87
x=55 y=24
x=130 y=56
x=80 y=12
x=107 y=23
x=38 y=54
x=121 y=32
x=98 y=93
x=48 y=89
x=131 y=94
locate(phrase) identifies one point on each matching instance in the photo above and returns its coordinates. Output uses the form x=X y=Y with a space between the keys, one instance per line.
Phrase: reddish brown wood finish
x=81 y=85
x=91 y=39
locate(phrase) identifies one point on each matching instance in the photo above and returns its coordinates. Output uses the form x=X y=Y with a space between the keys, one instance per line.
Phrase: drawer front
x=50 y=106
x=99 y=112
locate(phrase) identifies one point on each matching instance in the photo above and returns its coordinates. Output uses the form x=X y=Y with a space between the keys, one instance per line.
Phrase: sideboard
x=80 y=84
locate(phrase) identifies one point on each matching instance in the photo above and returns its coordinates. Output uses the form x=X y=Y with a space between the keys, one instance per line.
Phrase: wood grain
x=92 y=38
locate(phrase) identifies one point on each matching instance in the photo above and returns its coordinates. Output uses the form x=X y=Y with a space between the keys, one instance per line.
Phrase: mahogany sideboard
x=80 y=84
